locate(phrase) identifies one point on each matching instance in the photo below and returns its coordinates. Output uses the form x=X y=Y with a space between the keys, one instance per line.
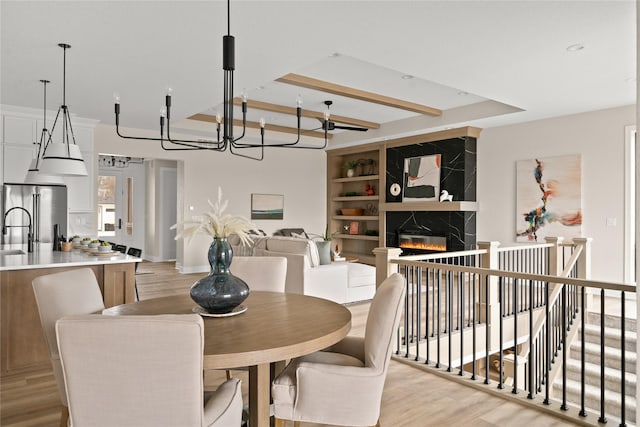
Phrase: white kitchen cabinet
x=18 y=130
x=15 y=162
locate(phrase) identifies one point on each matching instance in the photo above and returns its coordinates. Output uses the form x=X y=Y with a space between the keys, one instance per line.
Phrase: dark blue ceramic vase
x=219 y=292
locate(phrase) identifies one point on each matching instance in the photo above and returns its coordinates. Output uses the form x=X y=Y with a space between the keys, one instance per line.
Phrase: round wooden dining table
x=275 y=327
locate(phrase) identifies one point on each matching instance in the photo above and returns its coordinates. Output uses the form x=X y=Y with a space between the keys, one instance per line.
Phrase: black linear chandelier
x=227 y=139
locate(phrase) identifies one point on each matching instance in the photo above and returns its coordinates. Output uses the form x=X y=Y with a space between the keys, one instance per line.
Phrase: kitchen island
x=23 y=346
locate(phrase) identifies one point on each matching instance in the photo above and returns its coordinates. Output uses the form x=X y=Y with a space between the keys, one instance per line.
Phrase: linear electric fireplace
x=413 y=243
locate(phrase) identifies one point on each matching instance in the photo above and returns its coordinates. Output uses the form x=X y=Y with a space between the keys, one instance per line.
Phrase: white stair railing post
x=384 y=268
x=555 y=255
x=490 y=260
x=584 y=262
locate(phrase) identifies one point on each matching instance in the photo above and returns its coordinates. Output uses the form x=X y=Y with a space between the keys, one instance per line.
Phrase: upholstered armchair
x=63 y=294
x=343 y=384
x=141 y=371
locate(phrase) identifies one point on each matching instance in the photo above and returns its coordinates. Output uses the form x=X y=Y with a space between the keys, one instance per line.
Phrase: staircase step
x=612 y=336
x=592 y=400
x=612 y=356
x=613 y=377
x=611 y=321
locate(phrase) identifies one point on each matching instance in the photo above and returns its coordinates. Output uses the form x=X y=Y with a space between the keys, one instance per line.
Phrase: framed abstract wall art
x=421 y=178
x=267 y=206
x=549 y=198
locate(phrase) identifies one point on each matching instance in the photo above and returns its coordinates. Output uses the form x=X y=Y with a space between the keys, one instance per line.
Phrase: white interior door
x=114 y=207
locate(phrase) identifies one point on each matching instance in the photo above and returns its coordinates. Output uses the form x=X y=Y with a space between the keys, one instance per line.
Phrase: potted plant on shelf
x=351 y=167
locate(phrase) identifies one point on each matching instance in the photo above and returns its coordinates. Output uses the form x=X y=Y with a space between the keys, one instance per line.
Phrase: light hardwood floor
x=411 y=398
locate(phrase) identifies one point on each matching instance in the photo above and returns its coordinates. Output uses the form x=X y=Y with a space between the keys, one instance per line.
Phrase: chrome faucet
x=30 y=226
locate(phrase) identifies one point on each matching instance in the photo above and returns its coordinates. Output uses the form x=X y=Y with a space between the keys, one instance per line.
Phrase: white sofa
x=342 y=282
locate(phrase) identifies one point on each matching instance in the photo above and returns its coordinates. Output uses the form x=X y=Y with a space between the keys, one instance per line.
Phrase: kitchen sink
x=12 y=252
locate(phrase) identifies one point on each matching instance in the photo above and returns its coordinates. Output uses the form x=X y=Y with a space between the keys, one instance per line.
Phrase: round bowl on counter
x=104 y=248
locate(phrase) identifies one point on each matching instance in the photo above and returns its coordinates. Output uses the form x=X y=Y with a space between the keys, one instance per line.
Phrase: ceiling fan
x=332 y=126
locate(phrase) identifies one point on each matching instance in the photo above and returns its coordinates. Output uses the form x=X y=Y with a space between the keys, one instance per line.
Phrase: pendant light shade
x=63 y=158
x=36 y=176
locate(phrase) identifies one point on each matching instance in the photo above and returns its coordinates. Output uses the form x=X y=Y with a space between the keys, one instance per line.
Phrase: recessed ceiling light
x=575 y=47
x=406 y=77
x=463 y=93
x=334 y=55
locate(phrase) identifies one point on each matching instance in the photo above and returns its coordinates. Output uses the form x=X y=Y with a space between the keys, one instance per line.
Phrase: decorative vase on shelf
x=350 y=173
x=324 y=251
x=220 y=292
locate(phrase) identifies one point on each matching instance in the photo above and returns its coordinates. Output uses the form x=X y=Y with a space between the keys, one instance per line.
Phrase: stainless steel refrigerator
x=46 y=206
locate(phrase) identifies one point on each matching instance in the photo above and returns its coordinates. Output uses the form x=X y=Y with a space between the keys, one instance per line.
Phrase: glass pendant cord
x=226 y=121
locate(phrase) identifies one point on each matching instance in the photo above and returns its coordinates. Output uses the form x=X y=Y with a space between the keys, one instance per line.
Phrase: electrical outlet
x=611 y=222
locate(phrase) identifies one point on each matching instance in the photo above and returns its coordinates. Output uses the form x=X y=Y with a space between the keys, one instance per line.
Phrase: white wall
x=297 y=174
x=599 y=137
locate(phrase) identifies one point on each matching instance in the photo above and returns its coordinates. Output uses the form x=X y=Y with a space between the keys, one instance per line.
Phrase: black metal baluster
x=623 y=392
x=602 y=418
x=406 y=310
x=473 y=331
x=547 y=368
x=418 y=310
x=532 y=391
x=433 y=302
x=486 y=329
x=413 y=302
x=469 y=318
x=500 y=331
x=461 y=292
x=450 y=316
x=439 y=314
x=515 y=339
x=583 y=412
x=564 y=406
x=426 y=314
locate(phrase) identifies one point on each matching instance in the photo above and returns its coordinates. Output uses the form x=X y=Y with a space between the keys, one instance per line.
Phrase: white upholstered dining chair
x=343 y=384
x=63 y=294
x=138 y=371
x=261 y=273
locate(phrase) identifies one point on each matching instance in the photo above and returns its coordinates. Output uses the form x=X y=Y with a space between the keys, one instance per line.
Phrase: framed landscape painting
x=267 y=206
x=549 y=198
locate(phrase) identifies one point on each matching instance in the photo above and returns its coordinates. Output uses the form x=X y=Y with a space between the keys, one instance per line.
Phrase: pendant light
x=64 y=157
x=34 y=175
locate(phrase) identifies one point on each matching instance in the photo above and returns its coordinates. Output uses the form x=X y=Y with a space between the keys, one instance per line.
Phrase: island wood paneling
x=23 y=344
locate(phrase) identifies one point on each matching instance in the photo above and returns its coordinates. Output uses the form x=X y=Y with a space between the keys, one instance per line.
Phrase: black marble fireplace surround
x=458 y=177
